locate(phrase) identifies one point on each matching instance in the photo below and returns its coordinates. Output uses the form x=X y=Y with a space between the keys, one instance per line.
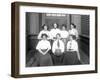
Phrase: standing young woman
x=43 y=47
x=72 y=55
x=58 y=50
x=44 y=31
x=73 y=31
x=54 y=31
x=64 y=34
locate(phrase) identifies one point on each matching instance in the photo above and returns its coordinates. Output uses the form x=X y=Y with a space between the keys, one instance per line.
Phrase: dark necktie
x=58 y=44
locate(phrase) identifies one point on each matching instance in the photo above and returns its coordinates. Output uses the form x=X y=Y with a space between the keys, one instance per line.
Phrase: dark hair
x=73 y=36
x=64 y=25
x=44 y=35
x=73 y=25
x=44 y=25
x=56 y=24
x=58 y=34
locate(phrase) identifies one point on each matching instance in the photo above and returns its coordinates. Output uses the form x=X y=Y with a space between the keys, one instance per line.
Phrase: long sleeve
x=38 y=45
x=62 y=47
x=76 y=33
x=68 y=45
x=75 y=46
x=53 y=47
x=39 y=35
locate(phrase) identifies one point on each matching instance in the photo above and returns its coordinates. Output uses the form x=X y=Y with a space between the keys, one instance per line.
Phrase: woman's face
x=55 y=25
x=63 y=28
x=44 y=37
x=72 y=26
x=58 y=36
x=45 y=27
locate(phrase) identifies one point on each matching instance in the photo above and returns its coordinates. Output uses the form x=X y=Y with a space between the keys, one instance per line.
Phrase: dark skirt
x=57 y=58
x=70 y=58
x=43 y=60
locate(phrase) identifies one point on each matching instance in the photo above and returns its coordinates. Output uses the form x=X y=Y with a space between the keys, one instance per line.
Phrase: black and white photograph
x=54 y=39
x=51 y=39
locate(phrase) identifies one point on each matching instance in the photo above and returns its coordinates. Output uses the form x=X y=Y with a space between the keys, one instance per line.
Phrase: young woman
x=72 y=55
x=73 y=30
x=44 y=31
x=64 y=34
x=54 y=31
x=58 y=50
x=43 y=47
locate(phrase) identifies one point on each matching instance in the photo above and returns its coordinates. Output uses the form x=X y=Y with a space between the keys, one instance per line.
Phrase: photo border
x=15 y=69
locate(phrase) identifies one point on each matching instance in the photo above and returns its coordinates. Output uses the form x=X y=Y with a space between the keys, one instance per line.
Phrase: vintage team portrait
x=55 y=39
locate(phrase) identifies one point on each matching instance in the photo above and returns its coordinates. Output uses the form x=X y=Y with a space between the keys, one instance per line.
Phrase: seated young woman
x=44 y=31
x=58 y=50
x=72 y=55
x=43 y=56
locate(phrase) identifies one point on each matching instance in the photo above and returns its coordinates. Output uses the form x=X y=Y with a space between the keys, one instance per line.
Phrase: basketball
x=58 y=52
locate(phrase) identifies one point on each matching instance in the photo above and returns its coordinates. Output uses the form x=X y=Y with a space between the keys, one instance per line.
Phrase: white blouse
x=72 y=45
x=44 y=32
x=53 y=32
x=55 y=46
x=73 y=32
x=64 y=34
x=43 y=44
